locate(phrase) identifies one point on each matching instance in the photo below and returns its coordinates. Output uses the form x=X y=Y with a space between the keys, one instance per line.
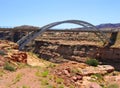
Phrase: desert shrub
x=92 y=62
x=9 y=67
x=2 y=52
x=25 y=86
x=44 y=82
x=17 y=78
x=75 y=70
x=61 y=86
x=51 y=65
x=113 y=86
x=97 y=78
x=71 y=86
x=38 y=73
x=50 y=86
x=1 y=72
x=45 y=73
x=59 y=80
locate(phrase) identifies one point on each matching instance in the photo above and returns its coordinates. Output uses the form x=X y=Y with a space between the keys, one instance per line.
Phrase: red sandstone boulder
x=101 y=69
x=18 y=57
x=94 y=85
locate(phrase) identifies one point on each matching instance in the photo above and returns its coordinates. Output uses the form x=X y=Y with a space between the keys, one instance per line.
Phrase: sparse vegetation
x=51 y=77
x=113 y=86
x=59 y=80
x=2 y=52
x=51 y=65
x=71 y=86
x=25 y=86
x=45 y=73
x=9 y=67
x=97 y=78
x=22 y=65
x=42 y=73
x=44 y=82
x=92 y=62
x=76 y=70
x=38 y=73
x=1 y=72
x=61 y=86
x=49 y=86
x=17 y=78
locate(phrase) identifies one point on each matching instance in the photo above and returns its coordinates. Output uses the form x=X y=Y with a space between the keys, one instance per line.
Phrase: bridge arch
x=23 y=41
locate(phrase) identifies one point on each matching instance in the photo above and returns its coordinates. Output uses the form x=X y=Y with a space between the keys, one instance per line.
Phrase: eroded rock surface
x=84 y=76
x=9 y=52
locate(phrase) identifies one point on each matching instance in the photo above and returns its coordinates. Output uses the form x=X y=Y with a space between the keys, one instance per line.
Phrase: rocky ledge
x=82 y=75
x=9 y=53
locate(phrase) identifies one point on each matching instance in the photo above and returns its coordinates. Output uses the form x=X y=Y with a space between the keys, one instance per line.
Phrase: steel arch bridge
x=23 y=41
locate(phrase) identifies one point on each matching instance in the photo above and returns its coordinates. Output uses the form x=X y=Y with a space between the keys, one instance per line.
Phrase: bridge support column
x=12 y=36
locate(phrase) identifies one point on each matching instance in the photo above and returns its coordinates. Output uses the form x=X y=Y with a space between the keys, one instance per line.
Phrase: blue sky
x=42 y=12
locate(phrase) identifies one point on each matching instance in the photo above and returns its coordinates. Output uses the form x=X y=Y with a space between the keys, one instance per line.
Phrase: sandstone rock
x=108 y=68
x=79 y=77
x=94 y=85
x=2 y=61
x=112 y=79
x=66 y=72
x=18 y=56
x=59 y=73
x=74 y=78
x=4 y=44
x=101 y=69
x=79 y=84
x=118 y=78
x=79 y=53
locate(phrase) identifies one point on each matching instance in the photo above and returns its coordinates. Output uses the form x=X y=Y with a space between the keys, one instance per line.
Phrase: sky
x=42 y=12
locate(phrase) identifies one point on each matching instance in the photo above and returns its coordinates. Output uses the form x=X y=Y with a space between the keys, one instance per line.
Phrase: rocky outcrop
x=84 y=76
x=18 y=57
x=7 y=45
x=9 y=52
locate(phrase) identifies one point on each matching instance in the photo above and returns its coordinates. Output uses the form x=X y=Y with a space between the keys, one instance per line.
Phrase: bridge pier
x=113 y=38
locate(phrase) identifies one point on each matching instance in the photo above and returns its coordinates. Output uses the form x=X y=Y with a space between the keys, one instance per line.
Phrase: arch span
x=23 y=41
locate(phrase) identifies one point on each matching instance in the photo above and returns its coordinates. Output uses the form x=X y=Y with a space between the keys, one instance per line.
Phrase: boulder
x=18 y=57
x=100 y=69
x=94 y=85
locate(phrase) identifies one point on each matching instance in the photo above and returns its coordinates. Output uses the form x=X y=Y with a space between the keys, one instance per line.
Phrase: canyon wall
x=51 y=50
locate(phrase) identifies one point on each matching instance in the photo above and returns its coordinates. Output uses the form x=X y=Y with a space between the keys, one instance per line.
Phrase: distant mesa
x=109 y=25
x=26 y=27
